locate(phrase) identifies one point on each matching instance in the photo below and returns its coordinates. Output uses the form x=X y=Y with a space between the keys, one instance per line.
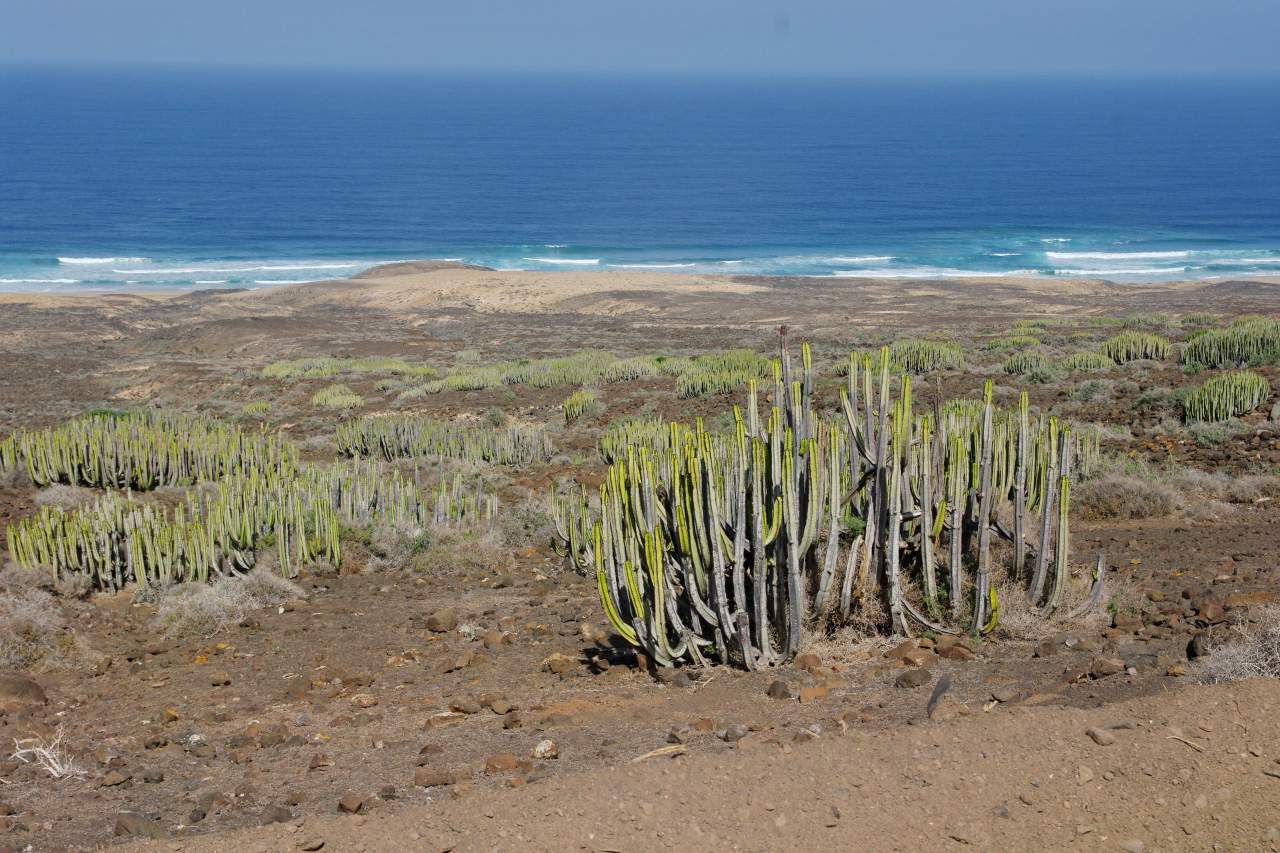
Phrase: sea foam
x=1114 y=256
x=92 y=261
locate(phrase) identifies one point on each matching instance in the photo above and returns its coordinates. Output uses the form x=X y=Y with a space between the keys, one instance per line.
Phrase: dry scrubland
x=419 y=560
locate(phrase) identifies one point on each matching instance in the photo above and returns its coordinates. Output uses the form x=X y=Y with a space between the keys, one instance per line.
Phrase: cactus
x=337 y=396
x=409 y=436
x=585 y=402
x=921 y=356
x=144 y=450
x=1022 y=363
x=708 y=548
x=1011 y=342
x=1086 y=360
x=1226 y=396
x=1248 y=341
x=258 y=495
x=1132 y=345
x=325 y=367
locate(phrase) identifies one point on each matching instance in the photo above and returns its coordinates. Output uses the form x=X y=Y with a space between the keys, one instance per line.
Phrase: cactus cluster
x=1022 y=363
x=1011 y=342
x=922 y=356
x=144 y=450
x=323 y=367
x=1146 y=320
x=337 y=396
x=1132 y=346
x=585 y=402
x=721 y=372
x=1087 y=361
x=631 y=369
x=1248 y=341
x=411 y=436
x=255 y=494
x=1226 y=396
x=726 y=549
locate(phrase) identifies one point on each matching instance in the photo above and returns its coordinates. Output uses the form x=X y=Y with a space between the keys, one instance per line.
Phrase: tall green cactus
x=725 y=549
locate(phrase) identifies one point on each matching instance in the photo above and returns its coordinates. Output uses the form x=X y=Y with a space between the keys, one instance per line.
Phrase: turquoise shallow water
x=114 y=178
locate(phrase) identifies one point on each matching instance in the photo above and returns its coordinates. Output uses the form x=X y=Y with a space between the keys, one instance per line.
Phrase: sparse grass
x=1253 y=653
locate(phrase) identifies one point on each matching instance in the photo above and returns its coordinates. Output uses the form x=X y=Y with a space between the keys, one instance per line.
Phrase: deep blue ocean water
x=202 y=178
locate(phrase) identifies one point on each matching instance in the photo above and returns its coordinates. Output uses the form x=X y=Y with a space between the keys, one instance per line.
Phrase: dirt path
x=1193 y=769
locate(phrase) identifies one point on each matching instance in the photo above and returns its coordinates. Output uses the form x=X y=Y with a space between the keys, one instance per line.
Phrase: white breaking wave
x=739 y=261
x=211 y=281
x=88 y=261
x=39 y=281
x=555 y=245
x=860 y=259
x=1055 y=240
x=256 y=268
x=928 y=272
x=1005 y=254
x=650 y=266
x=563 y=260
x=1121 y=271
x=1240 y=261
x=1114 y=256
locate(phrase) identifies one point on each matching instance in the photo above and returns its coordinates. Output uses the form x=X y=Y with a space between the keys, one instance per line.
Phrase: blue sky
x=895 y=37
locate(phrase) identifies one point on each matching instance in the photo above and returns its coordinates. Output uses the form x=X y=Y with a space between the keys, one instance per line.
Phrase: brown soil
x=335 y=697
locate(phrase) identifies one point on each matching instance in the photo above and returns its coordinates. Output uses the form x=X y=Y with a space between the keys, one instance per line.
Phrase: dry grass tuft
x=205 y=609
x=36 y=636
x=1121 y=496
x=50 y=755
x=466 y=550
x=1255 y=652
x=66 y=497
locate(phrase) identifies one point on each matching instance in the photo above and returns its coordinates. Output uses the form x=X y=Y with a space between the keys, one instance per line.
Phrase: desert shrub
x=1092 y=390
x=1213 y=433
x=34 y=634
x=337 y=396
x=205 y=609
x=1119 y=496
x=1253 y=653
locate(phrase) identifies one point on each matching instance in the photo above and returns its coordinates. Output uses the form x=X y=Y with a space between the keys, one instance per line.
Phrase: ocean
x=132 y=177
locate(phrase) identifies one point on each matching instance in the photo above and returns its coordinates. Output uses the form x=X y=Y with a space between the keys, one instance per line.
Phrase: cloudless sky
x=897 y=37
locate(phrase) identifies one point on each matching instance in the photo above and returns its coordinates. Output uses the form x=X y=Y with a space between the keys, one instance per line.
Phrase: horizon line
x=657 y=73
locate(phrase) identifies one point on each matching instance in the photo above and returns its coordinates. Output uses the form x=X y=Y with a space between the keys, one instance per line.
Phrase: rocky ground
x=474 y=701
